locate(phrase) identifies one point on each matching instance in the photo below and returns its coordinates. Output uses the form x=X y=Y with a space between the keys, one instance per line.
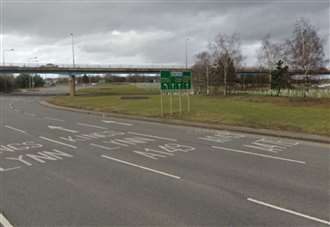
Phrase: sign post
x=175 y=83
x=161 y=104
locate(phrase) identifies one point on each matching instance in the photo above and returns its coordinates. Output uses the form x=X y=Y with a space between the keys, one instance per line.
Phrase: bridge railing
x=38 y=65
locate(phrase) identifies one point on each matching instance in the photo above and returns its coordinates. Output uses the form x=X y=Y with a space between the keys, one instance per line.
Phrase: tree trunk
x=225 y=79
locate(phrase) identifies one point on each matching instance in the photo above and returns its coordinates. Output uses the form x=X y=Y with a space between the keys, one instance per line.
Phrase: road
x=60 y=168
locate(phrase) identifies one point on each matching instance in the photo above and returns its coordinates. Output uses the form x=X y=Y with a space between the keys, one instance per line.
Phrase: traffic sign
x=175 y=80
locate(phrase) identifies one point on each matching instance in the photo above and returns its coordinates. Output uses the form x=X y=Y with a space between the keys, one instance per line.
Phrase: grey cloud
x=49 y=22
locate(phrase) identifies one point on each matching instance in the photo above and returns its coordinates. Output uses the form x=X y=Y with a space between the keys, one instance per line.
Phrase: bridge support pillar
x=72 y=85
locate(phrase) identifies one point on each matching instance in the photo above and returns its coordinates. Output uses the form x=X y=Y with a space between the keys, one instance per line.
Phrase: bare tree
x=270 y=53
x=200 y=72
x=305 y=49
x=226 y=51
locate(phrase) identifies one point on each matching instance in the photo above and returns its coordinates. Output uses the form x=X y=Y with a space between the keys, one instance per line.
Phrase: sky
x=146 y=32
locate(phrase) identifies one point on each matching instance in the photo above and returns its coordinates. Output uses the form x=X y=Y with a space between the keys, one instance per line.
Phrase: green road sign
x=175 y=80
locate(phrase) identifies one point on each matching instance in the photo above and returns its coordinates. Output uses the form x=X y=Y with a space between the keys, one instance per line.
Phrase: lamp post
x=73 y=55
x=73 y=79
x=186 y=51
x=32 y=60
x=4 y=53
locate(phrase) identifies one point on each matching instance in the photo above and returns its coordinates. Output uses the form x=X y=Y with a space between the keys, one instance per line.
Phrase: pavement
x=61 y=168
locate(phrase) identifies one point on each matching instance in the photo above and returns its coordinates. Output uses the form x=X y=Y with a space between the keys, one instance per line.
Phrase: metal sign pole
x=171 y=102
x=180 y=100
x=188 y=101
x=161 y=104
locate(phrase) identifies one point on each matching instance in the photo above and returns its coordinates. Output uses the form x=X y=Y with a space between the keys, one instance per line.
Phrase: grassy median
x=294 y=114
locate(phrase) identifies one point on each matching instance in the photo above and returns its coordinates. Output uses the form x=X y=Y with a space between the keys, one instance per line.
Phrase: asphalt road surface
x=59 y=168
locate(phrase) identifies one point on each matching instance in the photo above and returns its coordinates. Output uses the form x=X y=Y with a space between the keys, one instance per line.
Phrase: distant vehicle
x=49 y=65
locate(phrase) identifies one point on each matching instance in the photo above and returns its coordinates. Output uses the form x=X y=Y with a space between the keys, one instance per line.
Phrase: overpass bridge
x=73 y=71
x=87 y=69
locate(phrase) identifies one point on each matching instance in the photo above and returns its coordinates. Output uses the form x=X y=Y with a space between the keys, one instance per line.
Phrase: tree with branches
x=201 y=72
x=226 y=54
x=305 y=50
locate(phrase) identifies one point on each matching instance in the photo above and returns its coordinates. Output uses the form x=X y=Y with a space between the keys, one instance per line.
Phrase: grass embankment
x=294 y=114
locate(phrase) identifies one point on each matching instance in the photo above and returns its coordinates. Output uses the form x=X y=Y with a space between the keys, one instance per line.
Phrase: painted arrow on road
x=62 y=129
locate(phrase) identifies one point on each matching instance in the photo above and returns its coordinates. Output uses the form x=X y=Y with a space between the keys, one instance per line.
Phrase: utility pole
x=73 y=79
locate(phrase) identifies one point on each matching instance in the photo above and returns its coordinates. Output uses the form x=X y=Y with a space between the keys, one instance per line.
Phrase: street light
x=186 y=50
x=32 y=60
x=73 y=80
x=73 y=56
x=3 y=54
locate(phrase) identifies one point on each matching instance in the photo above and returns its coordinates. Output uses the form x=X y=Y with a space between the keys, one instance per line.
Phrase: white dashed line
x=4 y=221
x=15 y=129
x=117 y=122
x=142 y=167
x=57 y=142
x=288 y=211
x=151 y=136
x=60 y=128
x=103 y=147
x=92 y=126
x=54 y=119
x=261 y=155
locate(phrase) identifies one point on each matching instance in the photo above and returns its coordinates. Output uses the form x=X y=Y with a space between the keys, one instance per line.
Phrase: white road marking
x=261 y=155
x=57 y=142
x=4 y=221
x=8 y=169
x=30 y=114
x=141 y=167
x=117 y=122
x=62 y=129
x=289 y=211
x=103 y=147
x=92 y=126
x=15 y=129
x=151 y=136
x=54 y=119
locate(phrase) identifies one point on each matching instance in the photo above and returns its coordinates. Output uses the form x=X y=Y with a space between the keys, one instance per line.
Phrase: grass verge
x=292 y=114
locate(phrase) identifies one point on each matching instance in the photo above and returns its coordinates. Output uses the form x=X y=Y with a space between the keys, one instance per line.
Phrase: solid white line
x=4 y=221
x=151 y=136
x=91 y=126
x=118 y=123
x=141 y=167
x=58 y=142
x=288 y=211
x=15 y=129
x=54 y=119
x=104 y=147
x=261 y=155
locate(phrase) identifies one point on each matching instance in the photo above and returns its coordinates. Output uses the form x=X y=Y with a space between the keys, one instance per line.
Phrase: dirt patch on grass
x=282 y=101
